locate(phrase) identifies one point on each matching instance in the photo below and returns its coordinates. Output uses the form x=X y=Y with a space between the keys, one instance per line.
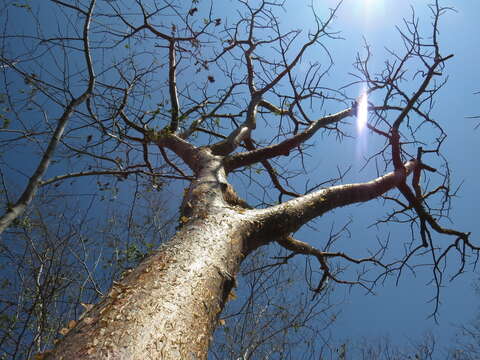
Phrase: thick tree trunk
x=167 y=308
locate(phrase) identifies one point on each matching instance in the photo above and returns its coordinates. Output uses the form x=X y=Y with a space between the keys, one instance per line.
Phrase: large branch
x=182 y=148
x=165 y=139
x=283 y=148
x=227 y=146
x=289 y=216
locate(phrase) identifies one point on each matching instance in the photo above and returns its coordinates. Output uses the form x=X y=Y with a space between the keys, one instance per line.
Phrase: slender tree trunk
x=167 y=308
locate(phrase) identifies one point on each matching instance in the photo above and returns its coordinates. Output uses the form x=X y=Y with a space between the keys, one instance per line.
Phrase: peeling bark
x=168 y=307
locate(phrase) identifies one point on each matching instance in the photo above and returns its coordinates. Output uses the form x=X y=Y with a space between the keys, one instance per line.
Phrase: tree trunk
x=167 y=308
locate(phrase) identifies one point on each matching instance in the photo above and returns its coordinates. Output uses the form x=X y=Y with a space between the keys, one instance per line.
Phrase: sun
x=372 y=2
x=369 y=10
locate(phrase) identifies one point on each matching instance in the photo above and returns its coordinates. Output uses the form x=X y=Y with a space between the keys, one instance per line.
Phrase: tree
x=62 y=257
x=118 y=77
x=269 y=318
x=467 y=342
x=384 y=349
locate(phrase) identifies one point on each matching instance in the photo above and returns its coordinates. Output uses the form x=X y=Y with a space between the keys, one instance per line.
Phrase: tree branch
x=294 y=213
x=251 y=157
x=34 y=182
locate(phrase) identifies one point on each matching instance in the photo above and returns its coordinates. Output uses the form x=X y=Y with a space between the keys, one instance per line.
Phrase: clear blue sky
x=402 y=311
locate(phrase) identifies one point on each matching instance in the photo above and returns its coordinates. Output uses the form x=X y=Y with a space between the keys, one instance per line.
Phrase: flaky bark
x=168 y=307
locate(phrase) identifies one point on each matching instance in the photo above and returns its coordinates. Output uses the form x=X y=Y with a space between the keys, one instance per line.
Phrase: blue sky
x=399 y=312
x=402 y=311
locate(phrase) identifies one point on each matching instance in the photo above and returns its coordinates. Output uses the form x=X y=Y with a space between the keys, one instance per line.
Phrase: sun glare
x=371 y=3
x=362 y=112
x=371 y=12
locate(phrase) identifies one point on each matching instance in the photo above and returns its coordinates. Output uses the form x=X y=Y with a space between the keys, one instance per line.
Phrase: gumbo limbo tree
x=205 y=93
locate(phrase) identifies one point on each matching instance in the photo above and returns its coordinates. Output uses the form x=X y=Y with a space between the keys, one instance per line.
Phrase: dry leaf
x=87 y=307
x=232 y=296
x=88 y=320
x=41 y=356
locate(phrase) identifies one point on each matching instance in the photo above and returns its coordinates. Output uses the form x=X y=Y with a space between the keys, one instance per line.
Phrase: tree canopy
x=223 y=99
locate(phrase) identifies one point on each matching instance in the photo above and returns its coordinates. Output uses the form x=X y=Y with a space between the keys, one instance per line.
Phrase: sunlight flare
x=362 y=111
x=371 y=12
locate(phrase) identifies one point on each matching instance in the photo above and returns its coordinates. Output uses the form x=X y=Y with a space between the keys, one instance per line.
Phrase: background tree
x=384 y=349
x=63 y=257
x=68 y=260
x=174 y=91
x=467 y=342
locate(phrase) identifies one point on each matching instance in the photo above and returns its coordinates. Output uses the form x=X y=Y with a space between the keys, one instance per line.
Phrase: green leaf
x=22 y=6
x=6 y=122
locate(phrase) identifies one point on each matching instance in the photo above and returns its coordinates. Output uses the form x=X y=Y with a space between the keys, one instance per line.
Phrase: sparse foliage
x=135 y=94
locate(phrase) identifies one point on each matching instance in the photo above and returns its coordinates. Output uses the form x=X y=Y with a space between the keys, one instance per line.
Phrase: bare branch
x=34 y=182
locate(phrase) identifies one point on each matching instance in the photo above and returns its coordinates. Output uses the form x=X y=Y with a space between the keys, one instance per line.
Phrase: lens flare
x=362 y=112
